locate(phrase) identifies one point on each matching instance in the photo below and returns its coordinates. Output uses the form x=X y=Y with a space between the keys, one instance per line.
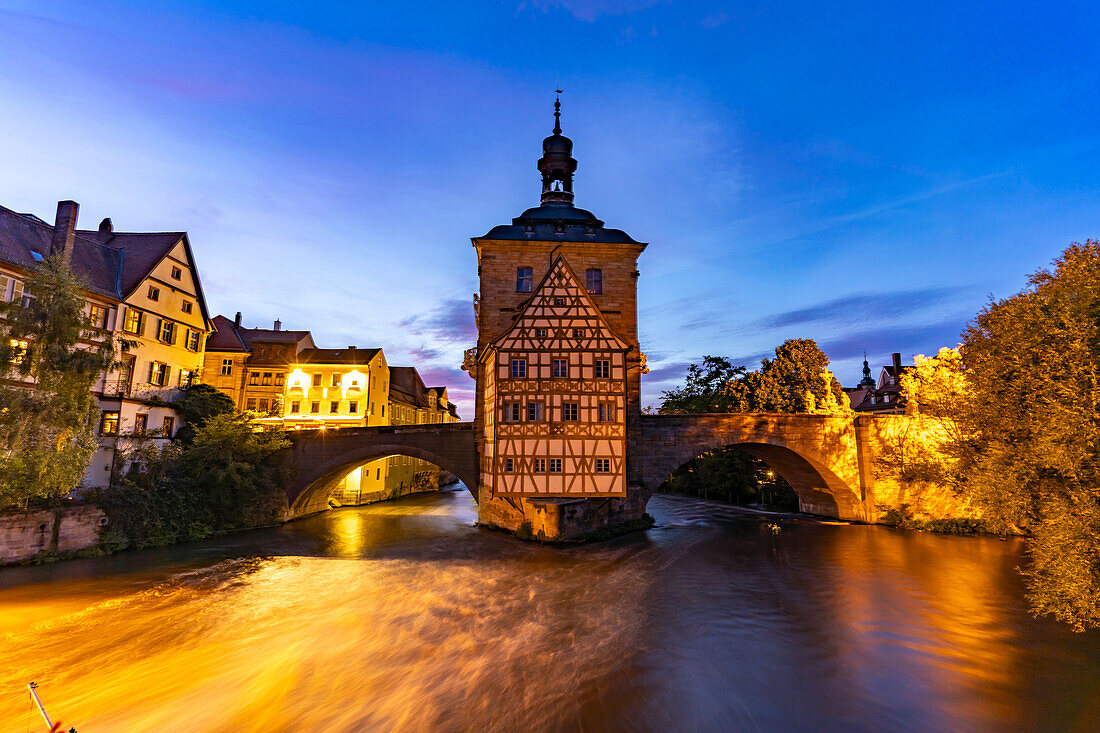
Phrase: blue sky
x=867 y=176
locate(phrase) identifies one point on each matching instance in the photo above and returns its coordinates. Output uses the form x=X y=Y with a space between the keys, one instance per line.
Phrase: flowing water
x=403 y=616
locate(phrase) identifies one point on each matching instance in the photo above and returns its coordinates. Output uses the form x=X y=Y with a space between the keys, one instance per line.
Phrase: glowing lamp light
x=297 y=380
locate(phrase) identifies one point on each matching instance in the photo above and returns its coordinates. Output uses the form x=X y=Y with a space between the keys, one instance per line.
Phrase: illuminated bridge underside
x=324 y=457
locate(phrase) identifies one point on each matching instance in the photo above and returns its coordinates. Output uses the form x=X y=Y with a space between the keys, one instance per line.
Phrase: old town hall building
x=557 y=363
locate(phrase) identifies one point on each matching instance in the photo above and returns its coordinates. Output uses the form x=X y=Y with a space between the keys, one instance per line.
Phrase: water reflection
x=404 y=616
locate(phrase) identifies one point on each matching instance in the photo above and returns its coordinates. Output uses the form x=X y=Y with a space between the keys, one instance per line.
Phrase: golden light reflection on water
x=403 y=617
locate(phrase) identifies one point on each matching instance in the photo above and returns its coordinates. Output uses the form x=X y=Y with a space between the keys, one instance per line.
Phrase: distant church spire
x=867 y=381
x=557 y=164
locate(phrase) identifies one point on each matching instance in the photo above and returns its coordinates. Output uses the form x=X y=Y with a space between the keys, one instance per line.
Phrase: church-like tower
x=558 y=364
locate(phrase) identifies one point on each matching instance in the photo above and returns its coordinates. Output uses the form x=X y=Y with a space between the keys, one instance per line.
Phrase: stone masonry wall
x=24 y=535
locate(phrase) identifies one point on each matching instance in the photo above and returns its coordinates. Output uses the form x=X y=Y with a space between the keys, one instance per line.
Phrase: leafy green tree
x=792 y=381
x=710 y=387
x=197 y=405
x=51 y=359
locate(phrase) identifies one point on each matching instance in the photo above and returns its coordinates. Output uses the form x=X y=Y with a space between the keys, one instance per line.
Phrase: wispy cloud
x=451 y=322
x=591 y=10
x=863 y=306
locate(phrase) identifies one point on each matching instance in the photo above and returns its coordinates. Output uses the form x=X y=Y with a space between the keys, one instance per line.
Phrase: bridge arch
x=815 y=454
x=323 y=458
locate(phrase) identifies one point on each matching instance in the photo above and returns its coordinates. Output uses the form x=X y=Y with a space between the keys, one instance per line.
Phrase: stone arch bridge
x=829 y=461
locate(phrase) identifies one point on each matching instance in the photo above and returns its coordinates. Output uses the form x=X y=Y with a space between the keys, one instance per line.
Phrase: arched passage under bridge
x=818 y=455
x=324 y=457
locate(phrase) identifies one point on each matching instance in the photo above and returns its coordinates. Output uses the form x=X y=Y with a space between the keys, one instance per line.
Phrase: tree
x=710 y=387
x=792 y=381
x=197 y=405
x=1029 y=441
x=48 y=414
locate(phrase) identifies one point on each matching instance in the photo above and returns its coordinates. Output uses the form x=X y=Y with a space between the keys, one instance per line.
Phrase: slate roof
x=407 y=382
x=228 y=337
x=558 y=222
x=114 y=269
x=353 y=356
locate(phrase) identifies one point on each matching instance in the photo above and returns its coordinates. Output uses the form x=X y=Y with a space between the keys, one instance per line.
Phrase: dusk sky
x=866 y=175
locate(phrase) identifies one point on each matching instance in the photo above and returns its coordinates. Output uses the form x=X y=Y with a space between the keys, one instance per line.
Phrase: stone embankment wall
x=423 y=481
x=24 y=535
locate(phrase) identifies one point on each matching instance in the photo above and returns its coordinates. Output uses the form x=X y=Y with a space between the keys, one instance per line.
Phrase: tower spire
x=557 y=164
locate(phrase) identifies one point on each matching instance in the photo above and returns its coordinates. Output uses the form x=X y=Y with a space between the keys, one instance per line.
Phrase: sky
x=868 y=176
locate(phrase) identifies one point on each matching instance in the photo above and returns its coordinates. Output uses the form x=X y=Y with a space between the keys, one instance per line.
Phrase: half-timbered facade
x=558 y=365
x=560 y=396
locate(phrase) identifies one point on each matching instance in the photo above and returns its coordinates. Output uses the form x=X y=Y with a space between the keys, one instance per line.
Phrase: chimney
x=106 y=231
x=278 y=325
x=897 y=364
x=64 y=230
x=237 y=320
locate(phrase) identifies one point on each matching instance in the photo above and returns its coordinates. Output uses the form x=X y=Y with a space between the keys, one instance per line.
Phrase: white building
x=141 y=287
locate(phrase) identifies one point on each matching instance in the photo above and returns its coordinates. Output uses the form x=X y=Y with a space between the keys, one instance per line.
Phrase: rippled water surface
x=403 y=616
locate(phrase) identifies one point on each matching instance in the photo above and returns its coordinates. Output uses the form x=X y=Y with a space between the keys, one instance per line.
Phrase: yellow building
x=141 y=287
x=294 y=385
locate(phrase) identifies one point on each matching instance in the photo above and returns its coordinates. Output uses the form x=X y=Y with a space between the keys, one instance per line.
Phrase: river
x=403 y=616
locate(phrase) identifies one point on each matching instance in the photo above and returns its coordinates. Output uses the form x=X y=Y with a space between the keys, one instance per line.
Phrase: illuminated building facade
x=558 y=364
x=141 y=287
x=282 y=375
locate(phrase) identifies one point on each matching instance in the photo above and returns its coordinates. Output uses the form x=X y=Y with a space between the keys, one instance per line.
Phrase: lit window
x=108 y=424
x=607 y=412
x=280 y=379
x=519 y=368
x=540 y=333
x=154 y=293
x=603 y=369
x=186 y=306
x=569 y=412
x=335 y=381
x=534 y=411
x=141 y=424
x=263 y=405
x=333 y=407
x=593 y=281
x=169 y=426
x=253 y=379
x=316 y=380
x=538 y=465
x=559 y=368
x=603 y=465
x=314 y=408
x=250 y=403
x=167 y=332
x=511 y=412
x=158 y=373
x=186 y=377
x=134 y=321
x=97 y=315
x=353 y=407
x=18 y=351
x=227 y=367
x=555 y=465
x=524 y=280
x=508 y=465
x=295 y=407
x=267 y=379
x=177 y=273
